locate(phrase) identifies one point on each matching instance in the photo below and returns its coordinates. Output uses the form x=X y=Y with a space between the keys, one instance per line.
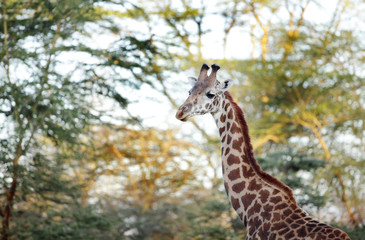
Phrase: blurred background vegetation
x=89 y=148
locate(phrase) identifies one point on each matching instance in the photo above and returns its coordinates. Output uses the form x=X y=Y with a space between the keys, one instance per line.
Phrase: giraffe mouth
x=181 y=117
x=184 y=119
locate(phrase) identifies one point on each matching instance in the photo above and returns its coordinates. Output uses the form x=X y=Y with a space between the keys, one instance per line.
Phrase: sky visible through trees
x=90 y=148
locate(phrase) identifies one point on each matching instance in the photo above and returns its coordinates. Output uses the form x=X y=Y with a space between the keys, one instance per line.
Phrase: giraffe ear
x=226 y=84
x=192 y=80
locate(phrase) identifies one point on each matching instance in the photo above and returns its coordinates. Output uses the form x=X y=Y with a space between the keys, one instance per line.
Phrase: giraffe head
x=206 y=94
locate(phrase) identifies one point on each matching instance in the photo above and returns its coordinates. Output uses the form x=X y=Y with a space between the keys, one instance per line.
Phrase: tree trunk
x=10 y=194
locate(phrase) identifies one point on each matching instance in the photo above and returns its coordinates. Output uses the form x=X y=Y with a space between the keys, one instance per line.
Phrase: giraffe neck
x=265 y=205
x=245 y=182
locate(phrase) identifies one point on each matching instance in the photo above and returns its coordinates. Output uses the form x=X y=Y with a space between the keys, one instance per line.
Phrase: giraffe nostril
x=185 y=108
x=183 y=111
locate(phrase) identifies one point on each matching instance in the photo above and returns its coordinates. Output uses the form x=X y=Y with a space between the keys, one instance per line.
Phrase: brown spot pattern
x=256 y=208
x=235 y=203
x=247 y=199
x=253 y=186
x=229 y=139
x=300 y=221
x=223 y=118
x=238 y=187
x=287 y=212
x=226 y=107
x=215 y=102
x=294 y=225
x=289 y=235
x=221 y=130
x=267 y=213
x=245 y=221
x=294 y=217
x=227 y=151
x=275 y=200
x=281 y=206
x=276 y=217
x=237 y=144
x=230 y=114
x=273 y=236
x=235 y=128
x=247 y=172
x=264 y=195
x=301 y=232
x=284 y=230
x=264 y=231
x=228 y=126
x=232 y=159
x=234 y=174
x=254 y=223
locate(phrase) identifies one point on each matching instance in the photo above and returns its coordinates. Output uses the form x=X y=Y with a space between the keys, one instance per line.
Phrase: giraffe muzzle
x=183 y=112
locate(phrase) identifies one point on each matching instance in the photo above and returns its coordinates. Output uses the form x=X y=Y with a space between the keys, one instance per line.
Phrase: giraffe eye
x=190 y=91
x=210 y=95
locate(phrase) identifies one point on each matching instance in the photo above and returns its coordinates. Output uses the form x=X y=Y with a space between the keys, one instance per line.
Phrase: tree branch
x=5 y=26
x=328 y=158
x=264 y=38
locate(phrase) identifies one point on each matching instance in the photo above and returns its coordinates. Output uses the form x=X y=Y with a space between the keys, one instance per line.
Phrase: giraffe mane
x=249 y=151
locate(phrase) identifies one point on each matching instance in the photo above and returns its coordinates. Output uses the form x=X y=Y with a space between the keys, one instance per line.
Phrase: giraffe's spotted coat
x=269 y=210
x=265 y=205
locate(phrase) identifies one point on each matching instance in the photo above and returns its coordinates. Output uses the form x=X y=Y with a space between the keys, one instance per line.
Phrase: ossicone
x=215 y=67
x=203 y=72
x=213 y=75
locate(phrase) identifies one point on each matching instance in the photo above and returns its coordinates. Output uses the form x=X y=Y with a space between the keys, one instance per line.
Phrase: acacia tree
x=46 y=106
x=148 y=166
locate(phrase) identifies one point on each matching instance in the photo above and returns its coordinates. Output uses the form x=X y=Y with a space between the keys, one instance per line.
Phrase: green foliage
x=298 y=171
x=67 y=173
x=210 y=216
x=158 y=223
x=67 y=223
x=356 y=233
x=46 y=110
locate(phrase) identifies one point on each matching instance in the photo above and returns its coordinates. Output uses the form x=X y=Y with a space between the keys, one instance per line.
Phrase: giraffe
x=265 y=205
